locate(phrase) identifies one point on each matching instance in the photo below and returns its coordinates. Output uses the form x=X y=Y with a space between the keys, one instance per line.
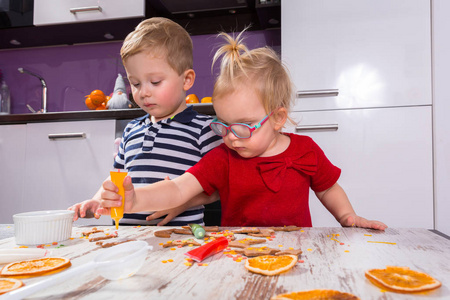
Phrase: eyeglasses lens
x=241 y=131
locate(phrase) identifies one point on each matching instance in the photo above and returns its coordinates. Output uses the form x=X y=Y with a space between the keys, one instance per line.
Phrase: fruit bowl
x=43 y=227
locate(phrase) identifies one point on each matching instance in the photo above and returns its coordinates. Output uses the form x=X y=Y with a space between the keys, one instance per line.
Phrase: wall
x=71 y=72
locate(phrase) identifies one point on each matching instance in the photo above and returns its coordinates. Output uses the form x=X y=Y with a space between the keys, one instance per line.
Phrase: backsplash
x=72 y=72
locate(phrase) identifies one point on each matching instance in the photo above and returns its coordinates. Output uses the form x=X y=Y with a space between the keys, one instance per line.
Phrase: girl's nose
x=230 y=135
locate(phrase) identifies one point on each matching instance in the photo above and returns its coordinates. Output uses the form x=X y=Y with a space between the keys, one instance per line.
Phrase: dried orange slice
x=402 y=279
x=35 y=267
x=9 y=284
x=316 y=295
x=271 y=264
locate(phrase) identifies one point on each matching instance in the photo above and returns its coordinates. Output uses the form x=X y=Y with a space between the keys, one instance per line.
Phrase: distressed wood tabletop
x=332 y=258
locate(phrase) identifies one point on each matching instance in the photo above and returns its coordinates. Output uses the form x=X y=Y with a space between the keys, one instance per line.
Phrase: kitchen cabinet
x=363 y=79
x=61 y=163
x=374 y=55
x=386 y=159
x=441 y=108
x=49 y=12
x=12 y=153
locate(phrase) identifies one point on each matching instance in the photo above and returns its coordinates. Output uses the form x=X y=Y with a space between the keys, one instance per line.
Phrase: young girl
x=262 y=174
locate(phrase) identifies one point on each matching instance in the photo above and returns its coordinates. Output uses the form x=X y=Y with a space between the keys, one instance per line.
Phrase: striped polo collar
x=185 y=117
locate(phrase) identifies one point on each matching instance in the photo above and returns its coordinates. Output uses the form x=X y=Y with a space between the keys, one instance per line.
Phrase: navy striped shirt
x=151 y=151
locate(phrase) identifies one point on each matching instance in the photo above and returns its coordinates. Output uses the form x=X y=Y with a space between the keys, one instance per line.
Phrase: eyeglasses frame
x=251 y=128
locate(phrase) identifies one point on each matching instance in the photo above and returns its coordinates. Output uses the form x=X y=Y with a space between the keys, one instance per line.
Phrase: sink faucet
x=44 y=88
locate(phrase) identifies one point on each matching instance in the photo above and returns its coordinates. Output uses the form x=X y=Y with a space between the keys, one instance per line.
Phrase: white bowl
x=43 y=227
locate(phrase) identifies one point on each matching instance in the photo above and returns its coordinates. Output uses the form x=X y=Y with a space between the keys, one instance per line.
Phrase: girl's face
x=244 y=106
x=156 y=86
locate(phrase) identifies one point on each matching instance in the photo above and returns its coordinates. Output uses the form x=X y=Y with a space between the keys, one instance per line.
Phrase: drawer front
x=49 y=12
x=66 y=162
x=386 y=161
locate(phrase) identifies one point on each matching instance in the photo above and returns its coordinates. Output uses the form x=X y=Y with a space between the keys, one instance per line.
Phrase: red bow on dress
x=273 y=172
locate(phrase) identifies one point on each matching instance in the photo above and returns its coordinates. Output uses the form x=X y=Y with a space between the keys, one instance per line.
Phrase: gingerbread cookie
x=246 y=230
x=244 y=243
x=265 y=232
x=254 y=251
x=91 y=231
x=107 y=244
x=181 y=243
x=286 y=228
x=182 y=231
x=296 y=252
x=93 y=237
x=164 y=233
x=207 y=228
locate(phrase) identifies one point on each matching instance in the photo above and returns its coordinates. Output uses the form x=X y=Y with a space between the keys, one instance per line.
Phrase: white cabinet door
x=63 y=171
x=386 y=161
x=12 y=153
x=441 y=105
x=375 y=54
x=48 y=12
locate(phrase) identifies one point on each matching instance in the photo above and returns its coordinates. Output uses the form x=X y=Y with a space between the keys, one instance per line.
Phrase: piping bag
x=11 y=255
x=197 y=230
x=208 y=249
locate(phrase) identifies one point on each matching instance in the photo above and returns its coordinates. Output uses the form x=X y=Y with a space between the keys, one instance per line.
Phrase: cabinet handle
x=60 y=136
x=321 y=127
x=83 y=9
x=317 y=93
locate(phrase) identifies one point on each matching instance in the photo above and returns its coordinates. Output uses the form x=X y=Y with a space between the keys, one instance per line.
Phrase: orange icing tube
x=117 y=178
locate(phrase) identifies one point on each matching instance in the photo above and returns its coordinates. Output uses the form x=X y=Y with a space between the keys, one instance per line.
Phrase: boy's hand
x=85 y=209
x=168 y=213
x=357 y=221
x=111 y=198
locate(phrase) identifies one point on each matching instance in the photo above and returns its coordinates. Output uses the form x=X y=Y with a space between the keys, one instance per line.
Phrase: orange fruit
x=102 y=106
x=89 y=103
x=9 y=284
x=192 y=98
x=316 y=295
x=207 y=100
x=402 y=279
x=35 y=267
x=270 y=264
x=97 y=97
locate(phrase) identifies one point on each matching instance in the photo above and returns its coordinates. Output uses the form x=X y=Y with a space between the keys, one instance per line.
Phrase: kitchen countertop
x=6 y=231
x=118 y=114
x=332 y=258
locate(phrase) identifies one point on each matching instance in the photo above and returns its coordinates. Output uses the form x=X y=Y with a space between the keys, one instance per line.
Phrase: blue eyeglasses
x=240 y=130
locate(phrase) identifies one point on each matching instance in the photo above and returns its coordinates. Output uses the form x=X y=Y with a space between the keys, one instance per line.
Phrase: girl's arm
x=157 y=196
x=336 y=201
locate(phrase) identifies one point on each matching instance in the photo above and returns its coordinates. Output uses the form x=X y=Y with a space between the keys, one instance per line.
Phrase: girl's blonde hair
x=161 y=37
x=260 y=69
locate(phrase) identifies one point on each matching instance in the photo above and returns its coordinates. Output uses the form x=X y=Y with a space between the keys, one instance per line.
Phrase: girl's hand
x=111 y=198
x=357 y=221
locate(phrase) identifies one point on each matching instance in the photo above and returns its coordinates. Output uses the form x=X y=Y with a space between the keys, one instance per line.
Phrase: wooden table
x=333 y=258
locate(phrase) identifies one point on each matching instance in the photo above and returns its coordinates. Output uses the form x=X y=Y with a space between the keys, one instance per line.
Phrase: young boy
x=172 y=137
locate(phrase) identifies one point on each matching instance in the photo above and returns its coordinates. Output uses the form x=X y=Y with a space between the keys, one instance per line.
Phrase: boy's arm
x=157 y=196
x=337 y=203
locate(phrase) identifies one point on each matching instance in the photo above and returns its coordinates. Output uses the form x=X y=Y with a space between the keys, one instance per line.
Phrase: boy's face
x=244 y=106
x=156 y=87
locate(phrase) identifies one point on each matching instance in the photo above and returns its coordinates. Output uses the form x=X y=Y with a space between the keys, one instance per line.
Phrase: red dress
x=267 y=191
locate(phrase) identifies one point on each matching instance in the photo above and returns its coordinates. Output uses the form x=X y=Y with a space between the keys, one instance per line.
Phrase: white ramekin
x=43 y=227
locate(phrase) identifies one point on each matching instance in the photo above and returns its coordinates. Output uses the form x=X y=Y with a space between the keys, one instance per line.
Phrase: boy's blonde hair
x=260 y=69
x=161 y=36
